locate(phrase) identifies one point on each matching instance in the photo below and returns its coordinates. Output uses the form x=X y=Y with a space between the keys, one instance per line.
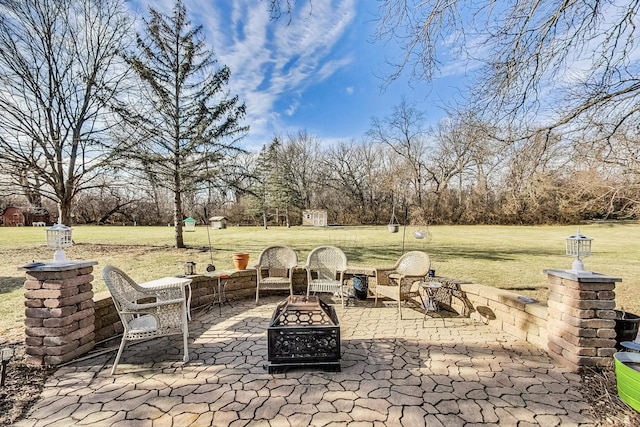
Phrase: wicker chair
x=327 y=264
x=146 y=313
x=274 y=270
x=410 y=267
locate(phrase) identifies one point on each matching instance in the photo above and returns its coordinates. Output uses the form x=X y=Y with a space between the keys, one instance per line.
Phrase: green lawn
x=509 y=257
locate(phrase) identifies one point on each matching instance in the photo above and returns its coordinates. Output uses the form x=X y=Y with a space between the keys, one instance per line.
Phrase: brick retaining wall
x=576 y=326
x=59 y=323
x=507 y=311
x=499 y=308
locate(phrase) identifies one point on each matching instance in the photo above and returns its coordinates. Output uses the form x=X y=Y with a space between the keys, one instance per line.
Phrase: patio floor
x=449 y=372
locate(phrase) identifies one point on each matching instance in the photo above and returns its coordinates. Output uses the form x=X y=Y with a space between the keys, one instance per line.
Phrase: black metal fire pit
x=303 y=332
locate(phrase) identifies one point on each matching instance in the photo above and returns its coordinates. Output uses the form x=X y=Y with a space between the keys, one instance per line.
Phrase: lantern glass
x=578 y=246
x=189 y=268
x=6 y=354
x=58 y=238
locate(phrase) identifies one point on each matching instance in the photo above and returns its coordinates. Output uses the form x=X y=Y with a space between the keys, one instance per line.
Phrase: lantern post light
x=578 y=246
x=58 y=238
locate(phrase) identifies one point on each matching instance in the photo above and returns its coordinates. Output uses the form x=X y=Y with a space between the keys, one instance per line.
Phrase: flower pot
x=627 y=366
x=240 y=260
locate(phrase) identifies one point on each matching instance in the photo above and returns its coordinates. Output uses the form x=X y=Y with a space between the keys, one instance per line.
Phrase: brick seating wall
x=499 y=308
x=64 y=319
x=505 y=311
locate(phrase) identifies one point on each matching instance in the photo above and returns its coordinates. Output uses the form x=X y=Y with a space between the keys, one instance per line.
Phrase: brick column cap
x=57 y=266
x=583 y=276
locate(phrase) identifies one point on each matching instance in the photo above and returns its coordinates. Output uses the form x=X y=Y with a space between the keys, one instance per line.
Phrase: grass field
x=508 y=257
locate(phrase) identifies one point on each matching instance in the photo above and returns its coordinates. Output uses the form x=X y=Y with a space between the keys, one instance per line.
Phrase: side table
x=222 y=289
x=429 y=301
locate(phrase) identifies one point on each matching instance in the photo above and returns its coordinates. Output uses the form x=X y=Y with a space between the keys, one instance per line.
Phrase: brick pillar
x=581 y=318
x=59 y=322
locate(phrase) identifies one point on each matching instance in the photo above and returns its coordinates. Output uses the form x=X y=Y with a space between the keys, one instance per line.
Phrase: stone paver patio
x=451 y=372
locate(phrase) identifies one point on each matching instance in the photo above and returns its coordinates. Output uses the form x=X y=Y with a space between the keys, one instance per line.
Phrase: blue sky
x=318 y=72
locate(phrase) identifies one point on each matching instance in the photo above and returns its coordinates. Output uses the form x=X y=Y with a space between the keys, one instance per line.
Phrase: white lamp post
x=578 y=246
x=58 y=238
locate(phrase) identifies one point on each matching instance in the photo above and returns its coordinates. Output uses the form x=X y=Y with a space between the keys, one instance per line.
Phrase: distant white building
x=218 y=222
x=314 y=217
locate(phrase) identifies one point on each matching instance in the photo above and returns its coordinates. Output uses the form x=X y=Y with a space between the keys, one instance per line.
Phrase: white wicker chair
x=410 y=267
x=274 y=270
x=146 y=313
x=328 y=264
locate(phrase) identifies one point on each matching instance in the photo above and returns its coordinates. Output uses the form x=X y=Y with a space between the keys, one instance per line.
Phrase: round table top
x=432 y=285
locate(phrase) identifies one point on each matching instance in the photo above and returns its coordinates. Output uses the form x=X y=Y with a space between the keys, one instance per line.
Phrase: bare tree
x=300 y=166
x=190 y=124
x=464 y=156
x=59 y=71
x=358 y=175
x=530 y=183
x=404 y=132
x=568 y=59
x=565 y=59
x=606 y=178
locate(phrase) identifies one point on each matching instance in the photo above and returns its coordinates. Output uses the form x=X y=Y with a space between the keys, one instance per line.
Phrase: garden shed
x=218 y=222
x=314 y=217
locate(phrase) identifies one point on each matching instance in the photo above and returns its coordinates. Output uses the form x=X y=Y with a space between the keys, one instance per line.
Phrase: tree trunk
x=64 y=211
x=177 y=215
x=286 y=213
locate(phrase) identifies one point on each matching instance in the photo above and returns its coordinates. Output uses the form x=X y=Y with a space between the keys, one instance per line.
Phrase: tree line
x=457 y=172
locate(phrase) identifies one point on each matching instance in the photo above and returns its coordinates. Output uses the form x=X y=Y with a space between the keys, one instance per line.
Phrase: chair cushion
x=273 y=280
x=146 y=323
x=325 y=285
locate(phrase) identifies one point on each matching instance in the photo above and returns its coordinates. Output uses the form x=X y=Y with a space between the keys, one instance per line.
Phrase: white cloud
x=267 y=58
x=349 y=90
x=293 y=107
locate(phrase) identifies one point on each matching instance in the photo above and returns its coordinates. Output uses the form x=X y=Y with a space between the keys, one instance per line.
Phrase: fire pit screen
x=303 y=332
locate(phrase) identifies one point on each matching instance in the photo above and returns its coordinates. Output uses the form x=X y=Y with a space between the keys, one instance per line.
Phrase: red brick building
x=18 y=217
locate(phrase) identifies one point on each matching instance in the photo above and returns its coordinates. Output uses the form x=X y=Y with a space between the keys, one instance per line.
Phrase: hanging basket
x=393 y=225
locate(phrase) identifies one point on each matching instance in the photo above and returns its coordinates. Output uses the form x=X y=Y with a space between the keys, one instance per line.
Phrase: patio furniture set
x=161 y=307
